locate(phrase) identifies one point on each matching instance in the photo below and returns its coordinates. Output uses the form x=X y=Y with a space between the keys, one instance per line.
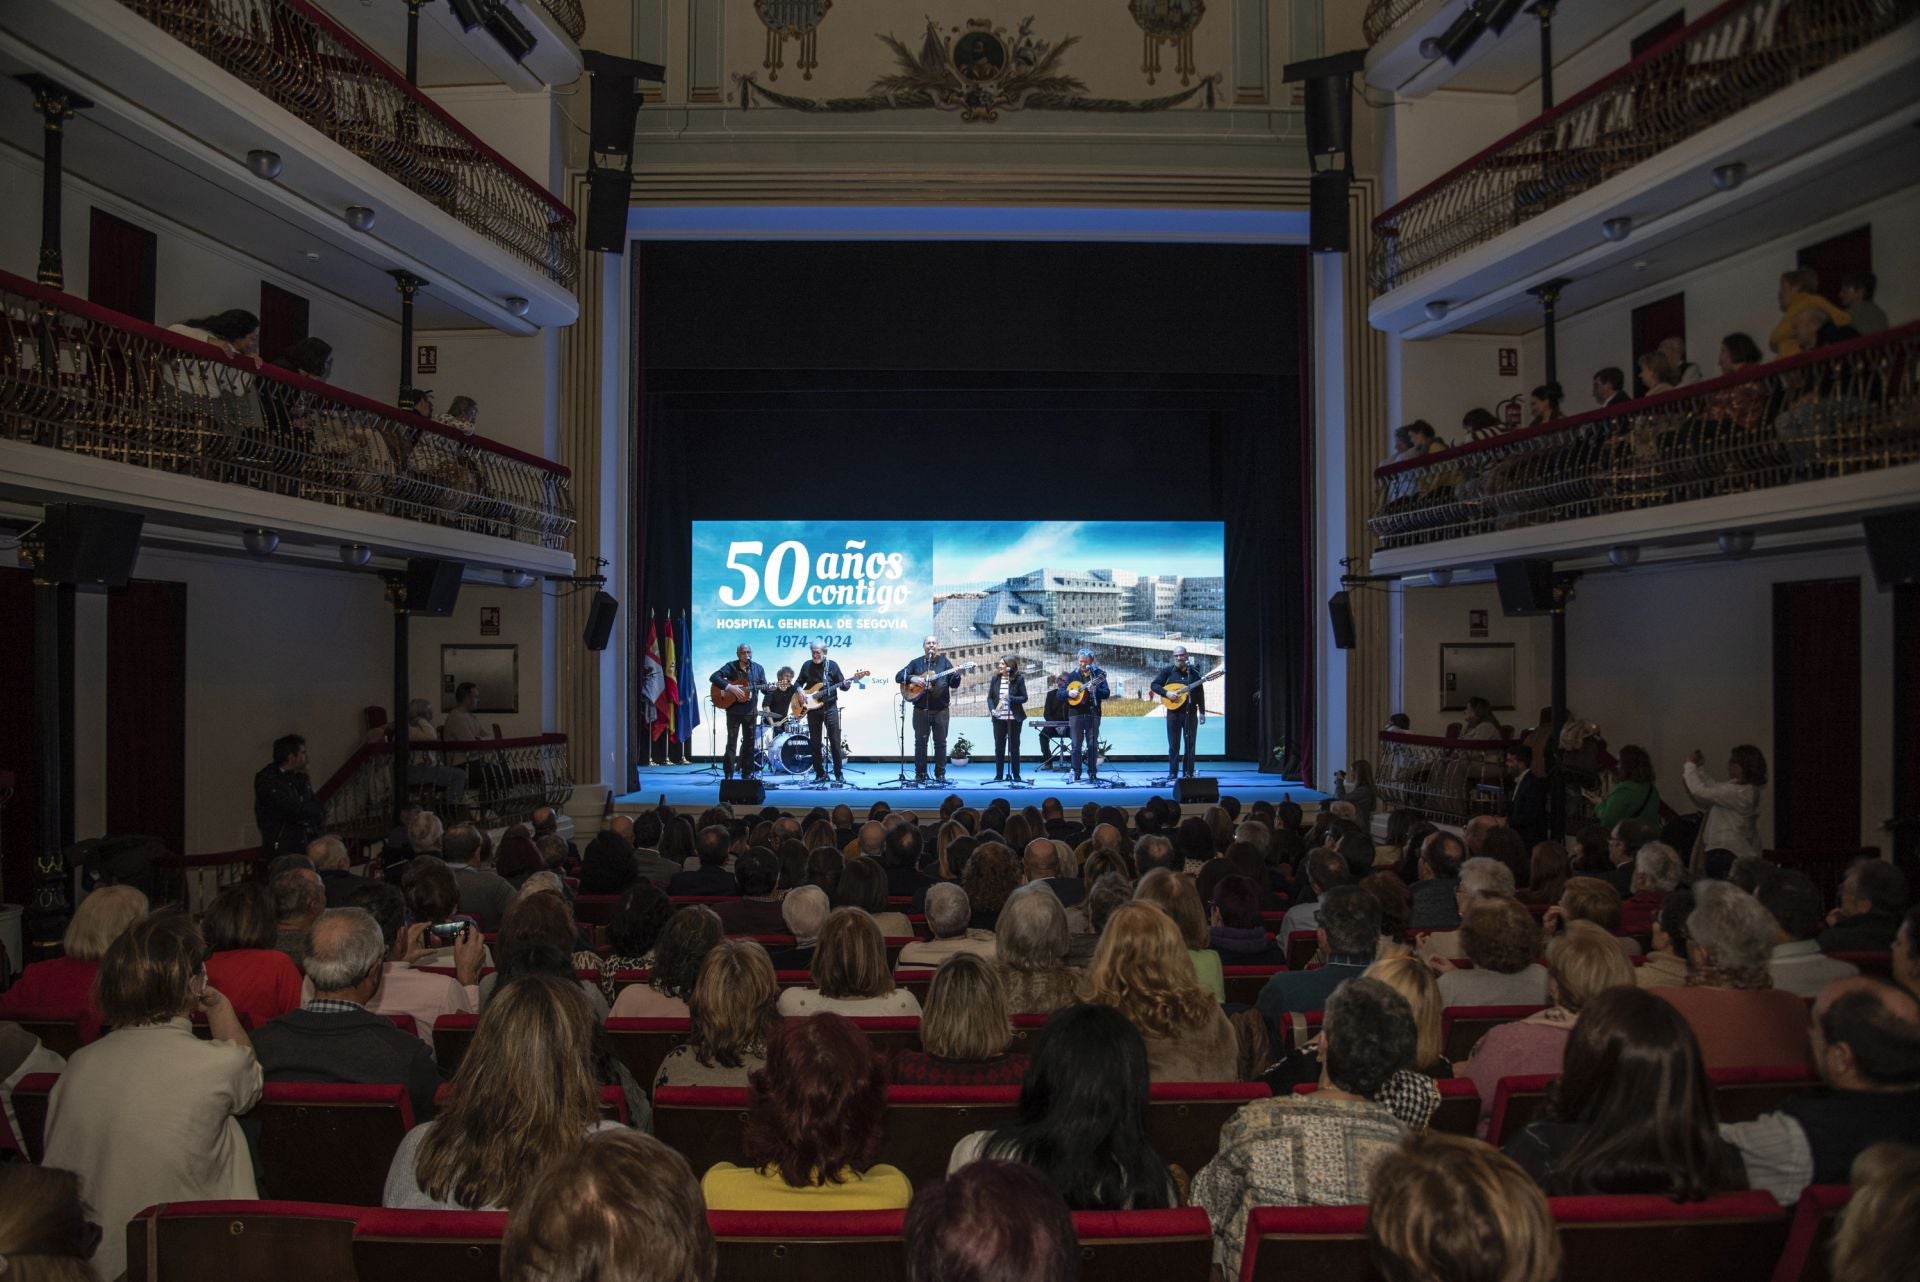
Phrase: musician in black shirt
x=1054 y=714
x=931 y=709
x=742 y=677
x=815 y=671
x=1184 y=721
x=1007 y=705
x=1083 y=718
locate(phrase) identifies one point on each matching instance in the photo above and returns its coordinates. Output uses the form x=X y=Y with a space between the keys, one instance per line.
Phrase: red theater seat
x=595 y=910
x=1739 y=1095
x=329 y=1142
x=415 y=1246
x=1879 y=963
x=1322 y=1243
x=31 y=1095
x=1517 y=1102
x=1301 y=946
x=1738 y=1235
x=61 y=1032
x=452 y=1034
x=641 y=1044
x=1459 y=1111
x=1243 y=983
x=1184 y=1118
x=1128 y=1246
x=242 y=1242
x=1815 y=1218
x=1462 y=1027
x=805 y=1246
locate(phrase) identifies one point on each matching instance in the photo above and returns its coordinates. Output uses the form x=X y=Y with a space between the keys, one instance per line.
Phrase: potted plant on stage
x=962 y=751
x=1106 y=750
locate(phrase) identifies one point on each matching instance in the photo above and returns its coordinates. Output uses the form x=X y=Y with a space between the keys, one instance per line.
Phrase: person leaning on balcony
x=463 y=414
x=1657 y=372
x=1799 y=292
x=1674 y=348
x=1743 y=406
x=1544 y=403
x=1856 y=295
x=1480 y=424
x=1609 y=387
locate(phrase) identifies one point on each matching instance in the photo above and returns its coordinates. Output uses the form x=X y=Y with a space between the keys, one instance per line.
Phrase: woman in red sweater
x=261 y=981
x=964 y=1030
x=62 y=987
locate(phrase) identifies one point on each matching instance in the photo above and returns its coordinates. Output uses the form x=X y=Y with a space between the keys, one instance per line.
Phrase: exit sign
x=428 y=360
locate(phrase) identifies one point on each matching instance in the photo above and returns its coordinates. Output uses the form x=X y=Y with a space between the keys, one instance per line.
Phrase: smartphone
x=446 y=931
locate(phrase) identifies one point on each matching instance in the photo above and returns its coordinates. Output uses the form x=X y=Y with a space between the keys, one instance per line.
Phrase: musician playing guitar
x=1086 y=687
x=928 y=684
x=825 y=673
x=1184 y=721
x=736 y=688
x=1007 y=703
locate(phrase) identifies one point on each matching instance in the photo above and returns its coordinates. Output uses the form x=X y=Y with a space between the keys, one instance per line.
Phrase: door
x=1815 y=772
x=146 y=739
x=1654 y=323
x=1836 y=257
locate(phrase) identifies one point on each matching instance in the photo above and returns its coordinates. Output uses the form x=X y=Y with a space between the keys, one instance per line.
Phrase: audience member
x=242 y=963
x=1589 y=899
x=964 y=1031
x=1799 y=292
x=711 y=876
x=1435 y=903
x=1448 y=1209
x=1030 y=952
x=732 y=1012
x=1480 y=878
x=1872 y=896
x=1623 y=843
x=1879 y=1235
x=863 y=885
x=284 y=807
x=334 y=1038
x=632 y=933
x=1856 y=295
x=1633 y=795
x=62 y=987
x=537 y=938
x=689 y=935
x=1360 y=792
x=1143 y=970
x=1396 y=905
x=149 y=1112
x=804 y=909
x=1666 y=964
x=1543 y=404
x=1657 y=872
x=1731 y=827
x=1349 y=936
x=1866 y=1046
x=517 y=858
x=850 y=972
x=1729 y=997
x=1500 y=938
x=1237 y=932
x=45 y=1232
x=1176 y=896
x=1416 y=984
x=1527 y=806
x=815 y=1116
x=990 y=878
x=1548 y=871
x=1906 y=953
x=331 y=861
x=1042 y=865
x=298 y=897
x=1657 y=373
x=947 y=915
x=1318 y=1149
x=621 y=1207
x=406 y=989
x=483 y=894
x=1797 y=965
x=1324 y=869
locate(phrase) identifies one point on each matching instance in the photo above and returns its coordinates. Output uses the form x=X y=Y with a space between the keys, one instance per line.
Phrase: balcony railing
x=1838 y=411
x=1732 y=57
x=304 y=61
x=568 y=13
x=77 y=377
x=1384 y=15
x=1452 y=780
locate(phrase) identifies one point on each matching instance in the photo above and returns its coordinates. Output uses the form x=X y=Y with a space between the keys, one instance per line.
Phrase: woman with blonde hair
x=62 y=987
x=1030 y=952
x=1879 y=1237
x=850 y=972
x=964 y=1031
x=1448 y=1209
x=1176 y=895
x=732 y=1012
x=689 y=935
x=951 y=846
x=1142 y=970
x=525 y=1094
x=45 y=1235
x=1413 y=979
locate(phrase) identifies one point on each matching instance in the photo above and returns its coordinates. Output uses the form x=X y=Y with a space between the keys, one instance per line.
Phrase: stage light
x=1617 y=229
x=260 y=542
x=1440 y=578
x=355 y=555
x=1624 y=556
x=466 y=12
x=1736 y=542
x=516 y=306
x=263 y=164
x=1501 y=13
x=1453 y=43
x=516 y=578
x=1730 y=175
x=360 y=218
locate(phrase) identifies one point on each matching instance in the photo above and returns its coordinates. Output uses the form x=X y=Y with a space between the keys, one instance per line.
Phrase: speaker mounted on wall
x=1893 y=547
x=600 y=616
x=1326 y=90
x=433 y=586
x=85 y=545
x=1526 y=587
x=1340 y=615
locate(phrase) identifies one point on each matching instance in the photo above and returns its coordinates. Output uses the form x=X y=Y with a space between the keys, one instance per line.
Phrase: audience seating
x=329 y=1141
x=1184 y=1118
x=63 y=1034
x=594 y=910
x=444 y=1246
x=1739 y=1095
x=1301 y=947
x=242 y=1241
x=1323 y=1243
x=452 y=1034
x=1462 y=1027
x=31 y=1096
x=805 y=1246
x=1243 y=983
x=1815 y=1218
x=1125 y=1246
x=1880 y=963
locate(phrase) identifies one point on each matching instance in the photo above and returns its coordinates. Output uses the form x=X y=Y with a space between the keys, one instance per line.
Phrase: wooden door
x=1815 y=772
x=1837 y=256
x=146 y=785
x=1654 y=323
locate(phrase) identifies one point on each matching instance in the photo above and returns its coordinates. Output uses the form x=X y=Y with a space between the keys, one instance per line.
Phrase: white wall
x=1442 y=378
x=1433 y=617
x=514 y=379
x=524 y=127
x=1430 y=135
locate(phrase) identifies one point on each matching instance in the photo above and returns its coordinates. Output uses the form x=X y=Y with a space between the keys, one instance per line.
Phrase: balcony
x=94 y=404
x=451 y=55
x=195 y=85
x=1507 y=63
x=1812 y=99
x=1819 y=438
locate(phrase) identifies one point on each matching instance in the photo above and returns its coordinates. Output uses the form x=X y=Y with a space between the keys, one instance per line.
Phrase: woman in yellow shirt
x=815 y=1116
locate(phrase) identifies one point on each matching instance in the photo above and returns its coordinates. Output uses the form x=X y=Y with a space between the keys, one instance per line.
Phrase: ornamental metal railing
x=1384 y=15
x=306 y=62
x=1837 y=411
x=1731 y=58
x=568 y=13
x=1448 y=780
x=80 y=378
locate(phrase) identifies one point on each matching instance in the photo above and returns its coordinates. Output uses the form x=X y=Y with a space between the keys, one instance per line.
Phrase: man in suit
x=1042 y=864
x=1608 y=387
x=743 y=679
x=1527 y=812
x=824 y=672
x=711 y=877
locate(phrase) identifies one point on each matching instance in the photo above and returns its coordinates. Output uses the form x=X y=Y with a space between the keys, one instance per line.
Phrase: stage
x=1123 y=783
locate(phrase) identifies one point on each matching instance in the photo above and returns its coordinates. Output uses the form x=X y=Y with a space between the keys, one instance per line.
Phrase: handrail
x=1384 y=15
x=1437 y=741
x=1840 y=410
x=568 y=13
x=1729 y=58
x=261 y=42
x=83 y=379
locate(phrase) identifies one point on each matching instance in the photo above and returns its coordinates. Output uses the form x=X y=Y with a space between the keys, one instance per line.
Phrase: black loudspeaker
x=1329 y=104
x=1893 y=547
x=1199 y=790
x=1526 y=587
x=615 y=103
x=743 y=792
x=600 y=621
x=433 y=586
x=1327 y=212
x=1340 y=614
x=608 y=193
x=83 y=544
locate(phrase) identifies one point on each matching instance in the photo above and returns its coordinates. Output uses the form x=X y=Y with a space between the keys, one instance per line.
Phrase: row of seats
x=1743 y=1236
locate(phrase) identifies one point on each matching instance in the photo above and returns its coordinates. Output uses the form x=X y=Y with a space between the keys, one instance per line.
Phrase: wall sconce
x=1440 y=578
x=359 y=217
x=515 y=306
x=1617 y=229
x=1728 y=176
x=263 y=164
x=260 y=542
x=1736 y=542
x=516 y=578
x=355 y=555
x=1437 y=309
x=1625 y=556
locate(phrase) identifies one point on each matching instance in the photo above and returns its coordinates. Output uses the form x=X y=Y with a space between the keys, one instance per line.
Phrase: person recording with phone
x=825 y=673
x=932 y=707
x=1083 y=718
x=742 y=680
x=1007 y=700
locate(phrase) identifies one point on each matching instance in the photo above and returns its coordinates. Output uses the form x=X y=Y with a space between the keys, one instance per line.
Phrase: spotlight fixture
x=1441 y=577
x=1617 y=229
x=1437 y=309
x=1624 y=555
x=515 y=306
x=1730 y=175
x=1500 y=14
x=260 y=542
x=263 y=164
x=355 y=555
x=359 y=217
x=1453 y=43
x=516 y=578
x=467 y=13
x=1736 y=542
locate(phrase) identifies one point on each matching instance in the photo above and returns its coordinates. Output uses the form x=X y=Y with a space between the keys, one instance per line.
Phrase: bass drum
x=796 y=755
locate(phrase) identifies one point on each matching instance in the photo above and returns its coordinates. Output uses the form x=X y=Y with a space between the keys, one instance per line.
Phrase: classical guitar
x=1078 y=692
x=814 y=697
x=913 y=687
x=1177 y=694
x=727 y=694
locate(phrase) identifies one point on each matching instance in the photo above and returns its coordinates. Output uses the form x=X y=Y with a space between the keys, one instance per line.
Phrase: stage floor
x=1126 y=783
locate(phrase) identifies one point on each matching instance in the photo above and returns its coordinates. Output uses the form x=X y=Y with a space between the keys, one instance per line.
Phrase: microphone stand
x=900 y=780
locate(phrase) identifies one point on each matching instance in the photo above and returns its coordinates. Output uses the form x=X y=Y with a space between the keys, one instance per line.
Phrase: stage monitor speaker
x=608 y=193
x=1526 y=587
x=87 y=545
x=1199 y=790
x=600 y=617
x=433 y=586
x=1893 y=547
x=743 y=792
x=1340 y=614
x=1327 y=212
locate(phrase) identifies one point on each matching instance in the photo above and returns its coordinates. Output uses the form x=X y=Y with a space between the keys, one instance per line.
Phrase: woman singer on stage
x=1007 y=699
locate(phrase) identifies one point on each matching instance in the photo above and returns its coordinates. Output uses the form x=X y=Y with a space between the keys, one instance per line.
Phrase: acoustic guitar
x=1177 y=694
x=813 y=698
x=728 y=694
x=913 y=687
x=1078 y=692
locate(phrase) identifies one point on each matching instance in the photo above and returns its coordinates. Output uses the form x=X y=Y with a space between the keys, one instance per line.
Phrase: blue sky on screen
x=977 y=553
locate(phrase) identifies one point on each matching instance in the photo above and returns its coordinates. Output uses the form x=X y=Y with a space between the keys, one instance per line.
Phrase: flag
x=670 y=695
x=689 y=697
x=653 y=682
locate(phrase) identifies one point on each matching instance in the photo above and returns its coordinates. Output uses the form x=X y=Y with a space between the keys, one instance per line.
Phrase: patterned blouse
x=609 y=967
x=1293 y=1150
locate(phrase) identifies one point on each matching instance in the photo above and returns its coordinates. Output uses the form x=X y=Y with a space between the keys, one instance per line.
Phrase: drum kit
x=781 y=746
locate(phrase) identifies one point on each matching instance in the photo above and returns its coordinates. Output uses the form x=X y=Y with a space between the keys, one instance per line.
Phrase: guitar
x=913 y=687
x=731 y=693
x=1078 y=692
x=1176 y=695
x=813 y=698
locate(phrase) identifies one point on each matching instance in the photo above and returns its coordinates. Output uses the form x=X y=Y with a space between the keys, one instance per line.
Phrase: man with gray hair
x=334 y=1037
x=804 y=909
x=1088 y=682
x=1155 y=851
x=1480 y=878
x=298 y=898
x=929 y=682
x=484 y=894
x=1657 y=870
x=1738 y=1017
x=1041 y=864
x=330 y=860
x=948 y=913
